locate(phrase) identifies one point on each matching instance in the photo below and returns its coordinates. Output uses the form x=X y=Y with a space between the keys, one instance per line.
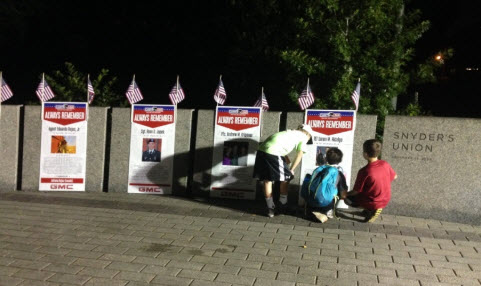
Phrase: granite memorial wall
x=9 y=146
x=438 y=161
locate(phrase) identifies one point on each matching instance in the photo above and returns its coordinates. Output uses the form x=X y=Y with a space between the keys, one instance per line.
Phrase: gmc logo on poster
x=61 y=187
x=150 y=190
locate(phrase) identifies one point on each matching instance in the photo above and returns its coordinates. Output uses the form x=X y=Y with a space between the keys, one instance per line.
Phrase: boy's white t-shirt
x=282 y=143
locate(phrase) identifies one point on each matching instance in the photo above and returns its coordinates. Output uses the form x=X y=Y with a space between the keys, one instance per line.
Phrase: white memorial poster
x=152 y=141
x=63 y=150
x=236 y=139
x=332 y=128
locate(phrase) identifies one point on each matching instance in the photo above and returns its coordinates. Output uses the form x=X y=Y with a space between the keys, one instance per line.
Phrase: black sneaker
x=282 y=208
x=270 y=212
x=366 y=213
x=373 y=215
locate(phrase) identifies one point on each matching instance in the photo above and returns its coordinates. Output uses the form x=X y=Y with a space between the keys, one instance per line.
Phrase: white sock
x=283 y=199
x=270 y=203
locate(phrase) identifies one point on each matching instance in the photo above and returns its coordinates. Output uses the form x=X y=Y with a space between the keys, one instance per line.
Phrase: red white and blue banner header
x=330 y=122
x=236 y=118
x=153 y=116
x=64 y=113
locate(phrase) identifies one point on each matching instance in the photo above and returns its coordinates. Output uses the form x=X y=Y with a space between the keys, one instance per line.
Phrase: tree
x=427 y=72
x=71 y=85
x=338 y=42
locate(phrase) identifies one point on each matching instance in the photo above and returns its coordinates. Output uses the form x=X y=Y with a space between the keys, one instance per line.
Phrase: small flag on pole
x=177 y=94
x=90 y=91
x=133 y=93
x=220 y=95
x=262 y=102
x=5 y=91
x=306 y=98
x=44 y=92
x=356 y=94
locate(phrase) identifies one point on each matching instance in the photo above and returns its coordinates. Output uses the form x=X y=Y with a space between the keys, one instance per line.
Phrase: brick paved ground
x=120 y=239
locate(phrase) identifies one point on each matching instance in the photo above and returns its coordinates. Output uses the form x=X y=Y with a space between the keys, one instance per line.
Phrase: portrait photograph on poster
x=63 y=144
x=151 y=150
x=235 y=153
x=321 y=155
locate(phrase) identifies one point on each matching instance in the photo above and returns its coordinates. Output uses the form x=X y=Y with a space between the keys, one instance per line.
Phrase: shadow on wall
x=200 y=162
x=195 y=167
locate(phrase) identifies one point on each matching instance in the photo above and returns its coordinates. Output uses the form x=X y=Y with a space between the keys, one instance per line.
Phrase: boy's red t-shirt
x=373 y=183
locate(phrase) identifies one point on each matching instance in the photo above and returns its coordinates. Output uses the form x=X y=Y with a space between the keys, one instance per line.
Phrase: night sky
x=197 y=40
x=457 y=25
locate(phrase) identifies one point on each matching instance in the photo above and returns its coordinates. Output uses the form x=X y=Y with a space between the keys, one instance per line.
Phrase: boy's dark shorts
x=354 y=201
x=273 y=168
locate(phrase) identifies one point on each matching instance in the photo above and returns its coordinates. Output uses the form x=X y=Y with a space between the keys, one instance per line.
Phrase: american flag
x=44 y=92
x=356 y=94
x=133 y=93
x=220 y=95
x=90 y=91
x=5 y=91
x=306 y=98
x=262 y=102
x=177 y=94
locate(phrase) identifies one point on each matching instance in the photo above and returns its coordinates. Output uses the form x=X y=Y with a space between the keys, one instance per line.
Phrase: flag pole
x=175 y=106
x=176 y=94
x=177 y=88
x=1 y=84
x=217 y=103
x=43 y=94
x=43 y=88
x=88 y=78
x=88 y=104
x=220 y=79
x=133 y=80
x=262 y=97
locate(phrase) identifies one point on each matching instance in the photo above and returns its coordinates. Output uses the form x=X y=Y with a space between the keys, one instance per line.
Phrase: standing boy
x=272 y=164
x=372 y=190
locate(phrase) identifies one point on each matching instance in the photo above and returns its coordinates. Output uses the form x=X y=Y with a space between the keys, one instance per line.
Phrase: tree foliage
x=338 y=42
x=335 y=43
x=431 y=69
x=70 y=84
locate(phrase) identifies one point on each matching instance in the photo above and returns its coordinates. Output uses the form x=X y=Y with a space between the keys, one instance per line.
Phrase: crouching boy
x=326 y=183
x=372 y=190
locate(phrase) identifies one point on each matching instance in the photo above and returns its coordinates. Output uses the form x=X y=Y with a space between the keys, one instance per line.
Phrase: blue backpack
x=320 y=188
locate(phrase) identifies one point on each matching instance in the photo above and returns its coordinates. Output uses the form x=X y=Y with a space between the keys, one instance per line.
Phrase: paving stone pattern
x=122 y=239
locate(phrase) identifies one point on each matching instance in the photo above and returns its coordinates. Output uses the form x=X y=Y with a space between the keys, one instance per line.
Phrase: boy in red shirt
x=372 y=190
